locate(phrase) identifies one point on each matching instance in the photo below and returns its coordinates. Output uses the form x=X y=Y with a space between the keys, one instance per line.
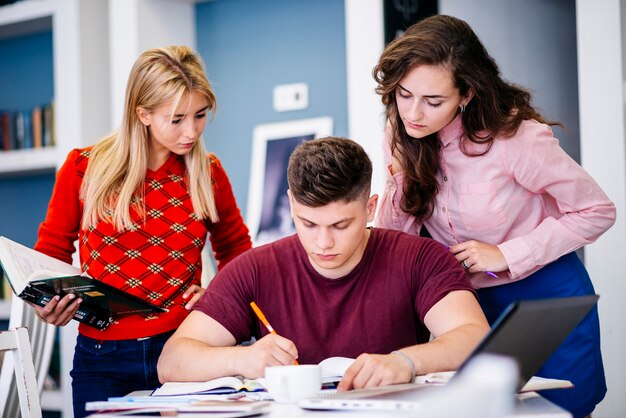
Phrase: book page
x=49 y=274
x=333 y=368
x=21 y=262
x=439 y=377
x=254 y=385
x=188 y=388
x=535 y=383
x=542 y=383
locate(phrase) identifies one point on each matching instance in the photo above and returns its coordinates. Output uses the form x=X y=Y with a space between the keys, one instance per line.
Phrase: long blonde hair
x=118 y=163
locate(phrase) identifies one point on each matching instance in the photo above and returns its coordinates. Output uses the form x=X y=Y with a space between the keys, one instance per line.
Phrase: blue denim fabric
x=104 y=369
x=578 y=359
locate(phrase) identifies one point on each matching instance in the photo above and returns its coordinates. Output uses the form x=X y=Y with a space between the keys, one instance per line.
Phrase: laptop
x=528 y=331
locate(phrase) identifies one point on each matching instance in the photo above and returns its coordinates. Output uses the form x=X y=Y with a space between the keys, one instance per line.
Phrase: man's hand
x=195 y=292
x=271 y=350
x=58 y=311
x=375 y=370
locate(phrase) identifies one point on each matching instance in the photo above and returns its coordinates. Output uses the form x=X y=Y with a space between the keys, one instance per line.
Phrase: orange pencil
x=264 y=320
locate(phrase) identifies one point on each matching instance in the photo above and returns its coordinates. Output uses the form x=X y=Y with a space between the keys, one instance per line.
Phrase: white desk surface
x=529 y=404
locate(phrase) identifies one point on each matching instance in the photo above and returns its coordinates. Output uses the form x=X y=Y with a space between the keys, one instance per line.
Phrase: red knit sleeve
x=59 y=230
x=229 y=236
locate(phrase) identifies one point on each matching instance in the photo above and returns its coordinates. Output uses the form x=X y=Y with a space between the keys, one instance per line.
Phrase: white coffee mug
x=291 y=383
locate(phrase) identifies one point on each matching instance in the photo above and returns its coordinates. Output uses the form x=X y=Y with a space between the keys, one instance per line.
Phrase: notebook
x=528 y=331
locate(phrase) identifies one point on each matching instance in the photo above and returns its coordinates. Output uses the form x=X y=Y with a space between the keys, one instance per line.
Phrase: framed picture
x=268 y=215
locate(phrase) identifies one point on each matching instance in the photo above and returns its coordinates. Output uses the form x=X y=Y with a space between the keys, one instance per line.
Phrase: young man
x=336 y=288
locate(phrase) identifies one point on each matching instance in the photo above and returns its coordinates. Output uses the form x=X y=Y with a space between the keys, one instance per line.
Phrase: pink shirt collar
x=451 y=132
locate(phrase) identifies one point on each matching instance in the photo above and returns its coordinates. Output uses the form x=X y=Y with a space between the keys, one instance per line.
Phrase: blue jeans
x=578 y=358
x=104 y=369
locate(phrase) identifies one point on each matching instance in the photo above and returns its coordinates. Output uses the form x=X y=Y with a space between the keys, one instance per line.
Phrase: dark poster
x=400 y=14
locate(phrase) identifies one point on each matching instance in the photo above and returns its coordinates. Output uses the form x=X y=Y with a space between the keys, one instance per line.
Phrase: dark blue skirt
x=578 y=359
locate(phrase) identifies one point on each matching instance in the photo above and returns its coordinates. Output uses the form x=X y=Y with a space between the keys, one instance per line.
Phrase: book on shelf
x=19 y=130
x=48 y=125
x=27 y=129
x=37 y=278
x=333 y=369
x=6 y=131
x=37 y=125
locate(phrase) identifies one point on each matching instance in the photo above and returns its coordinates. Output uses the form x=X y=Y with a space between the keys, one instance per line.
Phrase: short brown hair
x=326 y=170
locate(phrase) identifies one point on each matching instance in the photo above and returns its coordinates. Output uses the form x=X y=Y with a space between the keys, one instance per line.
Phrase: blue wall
x=24 y=204
x=26 y=75
x=249 y=47
x=26 y=80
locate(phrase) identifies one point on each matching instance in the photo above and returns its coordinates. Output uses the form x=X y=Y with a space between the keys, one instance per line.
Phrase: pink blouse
x=526 y=195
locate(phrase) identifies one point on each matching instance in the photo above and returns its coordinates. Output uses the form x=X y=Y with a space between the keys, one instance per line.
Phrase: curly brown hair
x=496 y=109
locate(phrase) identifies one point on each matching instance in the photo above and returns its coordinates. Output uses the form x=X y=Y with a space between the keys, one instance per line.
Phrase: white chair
x=41 y=340
x=16 y=342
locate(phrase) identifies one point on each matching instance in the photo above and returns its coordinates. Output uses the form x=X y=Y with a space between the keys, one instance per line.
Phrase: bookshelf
x=90 y=68
x=22 y=19
x=80 y=62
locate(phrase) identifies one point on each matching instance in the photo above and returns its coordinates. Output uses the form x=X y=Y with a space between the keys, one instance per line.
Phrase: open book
x=37 y=278
x=534 y=384
x=221 y=385
x=333 y=369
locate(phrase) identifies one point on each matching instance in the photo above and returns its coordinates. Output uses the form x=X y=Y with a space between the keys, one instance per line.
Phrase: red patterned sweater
x=159 y=258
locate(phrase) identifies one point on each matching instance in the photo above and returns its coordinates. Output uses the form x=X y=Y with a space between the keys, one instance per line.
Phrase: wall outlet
x=291 y=97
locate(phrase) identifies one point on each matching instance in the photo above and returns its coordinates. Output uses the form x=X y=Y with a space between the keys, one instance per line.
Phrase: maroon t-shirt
x=377 y=308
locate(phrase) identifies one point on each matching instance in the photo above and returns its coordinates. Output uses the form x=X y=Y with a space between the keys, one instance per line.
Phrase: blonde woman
x=141 y=203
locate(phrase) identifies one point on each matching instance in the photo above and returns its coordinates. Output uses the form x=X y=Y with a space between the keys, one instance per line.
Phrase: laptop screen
x=531 y=330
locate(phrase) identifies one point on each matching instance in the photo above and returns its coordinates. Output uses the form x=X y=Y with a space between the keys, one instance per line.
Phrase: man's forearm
x=448 y=351
x=185 y=359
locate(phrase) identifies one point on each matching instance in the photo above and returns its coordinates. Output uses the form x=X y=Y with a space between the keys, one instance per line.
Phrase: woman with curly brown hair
x=472 y=161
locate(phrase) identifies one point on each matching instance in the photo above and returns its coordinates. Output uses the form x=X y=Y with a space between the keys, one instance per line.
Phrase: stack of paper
x=217 y=406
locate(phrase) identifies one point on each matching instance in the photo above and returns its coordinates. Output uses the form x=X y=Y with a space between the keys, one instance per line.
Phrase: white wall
x=137 y=25
x=82 y=83
x=364 y=44
x=534 y=43
x=82 y=105
x=601 y=90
